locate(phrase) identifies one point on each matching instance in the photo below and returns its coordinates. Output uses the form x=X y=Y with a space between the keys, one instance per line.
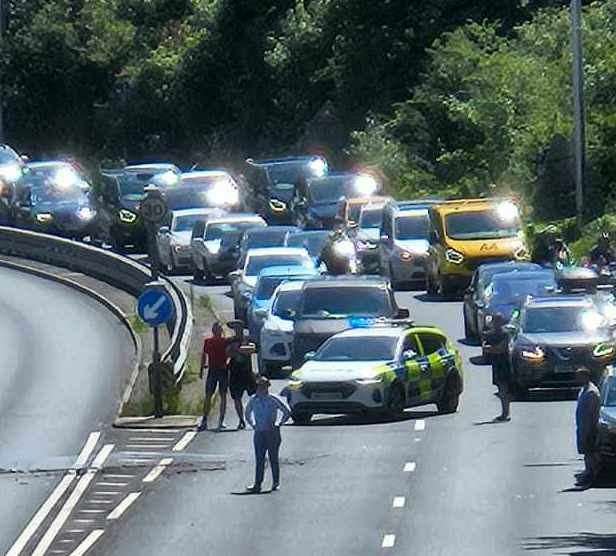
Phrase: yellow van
x=467 y=233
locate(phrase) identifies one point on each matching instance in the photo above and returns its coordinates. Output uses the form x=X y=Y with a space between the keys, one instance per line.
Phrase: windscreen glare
x=346 y=301
x=358 y=349
x=481 y=225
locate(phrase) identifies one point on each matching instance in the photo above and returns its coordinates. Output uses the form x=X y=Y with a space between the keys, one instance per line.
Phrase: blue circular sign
x=155 y=306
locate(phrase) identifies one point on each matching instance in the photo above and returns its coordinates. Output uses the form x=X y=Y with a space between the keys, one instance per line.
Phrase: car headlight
x=532 y=353
x=86 y=213
x=406 y=256
x=295 y=384
x=179 y=248
x=10 y=172
x=604 y=350
x=365 y=185
x=44 y=217
x=223 y=193
x=521 y=253
x=277 y=206
x=344 y=248
x=365 y=245
x=370 y=380
x=454 y=256
x=318 y=167
x=127 y=216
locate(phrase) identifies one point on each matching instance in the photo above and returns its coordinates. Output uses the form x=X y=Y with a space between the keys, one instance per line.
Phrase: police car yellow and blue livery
x=381 y=368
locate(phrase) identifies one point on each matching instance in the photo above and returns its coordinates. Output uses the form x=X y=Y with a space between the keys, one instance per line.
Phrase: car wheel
x=451 y=397
x=396 y=403
x=197 y=275
x=468 y=332
x=301 y=417
x=394 y=284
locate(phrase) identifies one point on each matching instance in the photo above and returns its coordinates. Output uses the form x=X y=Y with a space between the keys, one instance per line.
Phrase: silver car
x=209 y=260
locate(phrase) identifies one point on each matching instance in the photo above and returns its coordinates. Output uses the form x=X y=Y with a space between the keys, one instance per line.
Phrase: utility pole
x=3 y=16
x=579 y=138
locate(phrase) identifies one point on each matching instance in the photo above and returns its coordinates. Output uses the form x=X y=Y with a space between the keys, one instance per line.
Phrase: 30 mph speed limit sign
x=153 y=209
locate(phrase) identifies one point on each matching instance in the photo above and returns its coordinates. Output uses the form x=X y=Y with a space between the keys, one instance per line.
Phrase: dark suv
x=329 y=306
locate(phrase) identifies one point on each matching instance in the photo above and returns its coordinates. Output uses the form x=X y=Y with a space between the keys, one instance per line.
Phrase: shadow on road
x=549 y=395
x=427 y=298
x=574 y=545
x=468 y=342
x=479 y=360
x=362 y=420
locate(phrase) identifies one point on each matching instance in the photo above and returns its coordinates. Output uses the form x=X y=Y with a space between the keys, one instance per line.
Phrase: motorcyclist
x=559 y=253
x=602 y=254
x=338 y=253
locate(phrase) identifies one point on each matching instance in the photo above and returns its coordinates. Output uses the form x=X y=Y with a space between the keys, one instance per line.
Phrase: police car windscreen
x=412 y=226
x=358 y=349
x=481 y=225
x=343 y=302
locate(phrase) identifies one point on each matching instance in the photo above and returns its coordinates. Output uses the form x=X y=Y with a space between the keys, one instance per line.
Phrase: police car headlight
x=369 y=380
x=127 y=216
x=604 y=350
x=277 y=206
x=454 y=256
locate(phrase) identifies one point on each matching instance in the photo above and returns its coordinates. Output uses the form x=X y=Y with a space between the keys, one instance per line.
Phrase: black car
x=272 y=184
x=553 y=336
x=326 y=307
x=607 y=418
x=59 y=202
x=475 y=298
x=317 y=208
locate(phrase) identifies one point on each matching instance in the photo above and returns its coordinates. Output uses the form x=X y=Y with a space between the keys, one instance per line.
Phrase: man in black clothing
x=602 y=253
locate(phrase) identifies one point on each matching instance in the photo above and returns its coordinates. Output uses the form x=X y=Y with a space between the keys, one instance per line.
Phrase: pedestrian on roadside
x=262 y=415
x=587 y=427
x=214 y=359
x=241 y=376
x=501 y=369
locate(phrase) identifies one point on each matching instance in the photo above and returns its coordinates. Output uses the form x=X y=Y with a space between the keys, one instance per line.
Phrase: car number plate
x=565 y=369
x=324 y=396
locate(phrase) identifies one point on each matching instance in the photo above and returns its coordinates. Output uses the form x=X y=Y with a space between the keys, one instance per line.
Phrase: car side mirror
x=384 y=237
x=408 y=354
x=164 y=229
x=234 y=275
x=403 y=314
x=261 y=312
x=310 y=355
x=510 y=328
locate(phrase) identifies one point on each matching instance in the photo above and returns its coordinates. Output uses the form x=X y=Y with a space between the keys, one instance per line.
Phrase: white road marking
x=92 y=511
x=149 y=439
x=123 y=506
x=420 y=425
x=184 y=441
x=72 y=501
x=57 y=493
x=156 y=471
x=133 y=446
x=410 y=466
x=111 y=484
x=75 y=531
x=399 y=502
x=103 y=493
x=100 y=501
x=118 y=476
x=87 y=542
x=389 y=541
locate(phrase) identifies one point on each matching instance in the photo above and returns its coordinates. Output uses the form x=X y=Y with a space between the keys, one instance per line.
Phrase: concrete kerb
x=112 y=307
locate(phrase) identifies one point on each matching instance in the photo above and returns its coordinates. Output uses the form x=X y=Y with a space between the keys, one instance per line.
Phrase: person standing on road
x=241 y=375
x=262 y=415
x=501 y=369
x=214 y=359
x=587 y=424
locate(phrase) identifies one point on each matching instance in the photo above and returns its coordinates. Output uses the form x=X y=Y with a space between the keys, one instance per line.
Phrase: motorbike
x=340 y=256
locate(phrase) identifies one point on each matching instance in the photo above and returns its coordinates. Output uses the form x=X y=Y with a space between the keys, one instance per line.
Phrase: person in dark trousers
x=214 y=359
x=501 y=369
x=262 y=415
x=587 y=424
x=241 y=376
x=602 y=254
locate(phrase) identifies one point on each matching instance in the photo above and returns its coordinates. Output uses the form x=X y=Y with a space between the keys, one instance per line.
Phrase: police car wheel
x=451 y=398
x=395 y=403
x=301 y=417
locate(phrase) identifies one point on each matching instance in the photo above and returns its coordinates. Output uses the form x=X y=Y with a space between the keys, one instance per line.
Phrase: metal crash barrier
x=121 y=272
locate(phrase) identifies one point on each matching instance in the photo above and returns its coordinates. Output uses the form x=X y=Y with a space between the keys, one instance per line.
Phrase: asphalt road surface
x=65 y=360
x=435 y=485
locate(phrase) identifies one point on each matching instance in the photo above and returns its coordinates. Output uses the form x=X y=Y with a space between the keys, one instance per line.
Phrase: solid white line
x=184 y=441
x=410 y=466
x=389 y=541
x=87 y=542
x=72 y=501
x=57 y=493
x=399 y=502
x=123 y=506
x=156 y=471
x=420 y=425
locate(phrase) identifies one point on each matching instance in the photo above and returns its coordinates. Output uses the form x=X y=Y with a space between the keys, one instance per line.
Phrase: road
x=438 y=485
x=65 y=361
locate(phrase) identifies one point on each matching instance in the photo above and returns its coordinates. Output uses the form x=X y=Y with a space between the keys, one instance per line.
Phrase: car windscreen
x=187 y=198
x=488 y=224
x=286 y=303
x=340 y=302
x=258 y=263
x=269 y=238
x=266 y=286
x=187 y=222
x=354 y=211
x=52 y=194
x=507 y=290
x=327 y=190
x=610 y=397
x=313 y=243
x=218 y=230
x=130 y=185
x=555 y=319
x=371 y=218
x=289 y=172
x=412 y=226
x=368 y=348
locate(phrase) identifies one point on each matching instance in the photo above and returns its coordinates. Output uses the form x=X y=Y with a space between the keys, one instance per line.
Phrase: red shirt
x=216 y=350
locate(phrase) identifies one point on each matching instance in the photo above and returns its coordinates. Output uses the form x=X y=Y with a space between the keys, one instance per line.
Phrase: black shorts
x=217 y=377
x=240 y=382
x=501 y=371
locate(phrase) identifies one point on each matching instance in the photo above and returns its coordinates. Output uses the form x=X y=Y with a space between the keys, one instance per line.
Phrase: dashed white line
x=111 y=484
x=420 y=425
x=156 y=471
x=399 y=502
x=57 y=493
x=149 y=439
x=389 y=541
x=117 y=476
x=409 y=466
x=147 y=446
x=72 y=501
x=123 y=506
x=87 y=543
x=184 y=441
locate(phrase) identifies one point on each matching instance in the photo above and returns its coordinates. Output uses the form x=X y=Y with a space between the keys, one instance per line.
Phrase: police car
x=382 y=368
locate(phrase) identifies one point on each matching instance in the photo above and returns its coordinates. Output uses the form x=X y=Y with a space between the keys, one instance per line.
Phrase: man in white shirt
x=262 y=415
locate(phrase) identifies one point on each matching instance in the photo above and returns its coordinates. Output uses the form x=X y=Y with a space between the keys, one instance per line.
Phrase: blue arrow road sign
x=155 y=306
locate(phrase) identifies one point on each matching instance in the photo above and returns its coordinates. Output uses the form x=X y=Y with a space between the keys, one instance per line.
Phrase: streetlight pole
x=579 y=138
x=2 y=20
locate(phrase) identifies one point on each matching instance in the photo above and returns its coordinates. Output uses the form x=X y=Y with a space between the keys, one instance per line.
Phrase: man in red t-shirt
x=214 y=359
